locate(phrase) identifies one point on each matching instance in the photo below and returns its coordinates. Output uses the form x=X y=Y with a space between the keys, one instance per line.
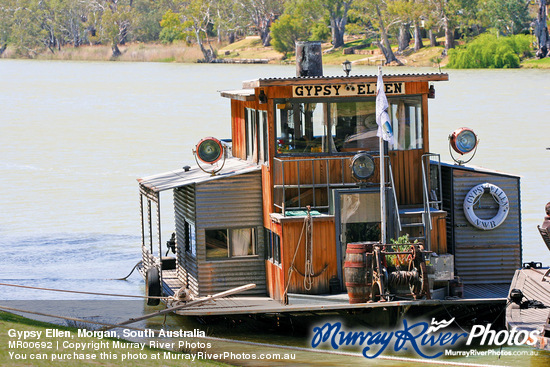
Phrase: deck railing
x=302 y=182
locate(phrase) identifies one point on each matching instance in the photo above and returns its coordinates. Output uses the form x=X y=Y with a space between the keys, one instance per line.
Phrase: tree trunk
x=449 y=34
x=431 y=36
x=541 y=31
x=386 y=47
x=116 y=51
x=337 y=34
x=417 y=37
x=231 y=37
x=265 y=33
x=404 y=37
x=3 y=48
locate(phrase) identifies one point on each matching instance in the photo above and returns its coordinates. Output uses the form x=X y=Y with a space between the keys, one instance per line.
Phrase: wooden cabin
x=283 y=207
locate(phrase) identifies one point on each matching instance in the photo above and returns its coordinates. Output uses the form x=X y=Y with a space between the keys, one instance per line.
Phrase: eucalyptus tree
x=7 y=9
x=297 y=23
x=508 y=17
x=338 y=16
x=262 y=14
x=541 y=31
x=375 y=13
x=191 y=18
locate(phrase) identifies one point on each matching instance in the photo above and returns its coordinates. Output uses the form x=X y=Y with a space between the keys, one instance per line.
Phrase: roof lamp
x=346 y=65
x=463 y=141
x=362 y=166
x=209 y=150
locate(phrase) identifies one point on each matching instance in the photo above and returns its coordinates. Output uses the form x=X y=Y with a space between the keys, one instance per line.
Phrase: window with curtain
x=230 y=243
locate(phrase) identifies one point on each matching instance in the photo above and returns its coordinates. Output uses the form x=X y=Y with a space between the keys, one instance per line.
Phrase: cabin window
x=262 y=135
x=250 y=130
x=276 y=248
x=353 y=126
x=332 y=126
x=269 y=240
x=190 y=240
x=273 y=252
x=406 y=116
x=302 y=128
x=230 y=243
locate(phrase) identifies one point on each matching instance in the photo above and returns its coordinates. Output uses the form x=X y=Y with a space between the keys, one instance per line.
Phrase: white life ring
x=472 y=198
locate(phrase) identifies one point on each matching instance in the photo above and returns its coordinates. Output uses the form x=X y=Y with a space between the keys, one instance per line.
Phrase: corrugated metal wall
x=233 y=202
x=184 y=210
x=483 y=256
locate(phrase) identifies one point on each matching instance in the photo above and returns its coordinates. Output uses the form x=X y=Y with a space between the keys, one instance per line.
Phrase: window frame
x=254 y=244
x=328 y=101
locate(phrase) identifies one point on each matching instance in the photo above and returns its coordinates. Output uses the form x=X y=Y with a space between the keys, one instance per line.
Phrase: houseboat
x=304 y=190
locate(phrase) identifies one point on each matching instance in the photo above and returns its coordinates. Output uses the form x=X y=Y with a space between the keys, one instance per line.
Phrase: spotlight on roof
x=463 y=141
x=209 y=150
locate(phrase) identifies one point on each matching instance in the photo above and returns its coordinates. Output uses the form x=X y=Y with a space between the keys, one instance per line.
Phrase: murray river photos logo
x=426 y=340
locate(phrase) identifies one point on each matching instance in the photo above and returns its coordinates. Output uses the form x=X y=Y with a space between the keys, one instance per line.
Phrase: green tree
x=302 y=19
x=148 y=15
x=376 y=16
x=507 y=16
x=7 y=10
x=338 y=16
x=490 y=51
x=173 y=28
x=261 y=14
x=26 y=32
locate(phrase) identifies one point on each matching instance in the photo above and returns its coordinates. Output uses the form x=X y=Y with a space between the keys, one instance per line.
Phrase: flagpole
x=382 y=180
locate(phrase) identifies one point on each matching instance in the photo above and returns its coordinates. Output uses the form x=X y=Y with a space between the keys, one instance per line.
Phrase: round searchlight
x=463 y=140
x=362 y=166
x=209 y=150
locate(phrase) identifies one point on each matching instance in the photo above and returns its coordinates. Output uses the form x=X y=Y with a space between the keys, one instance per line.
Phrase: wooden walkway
x=535 y=286
x=240 y=305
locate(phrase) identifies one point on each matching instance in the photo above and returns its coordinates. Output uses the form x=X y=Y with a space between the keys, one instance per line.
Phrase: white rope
x=78 y=292
x=308 y=273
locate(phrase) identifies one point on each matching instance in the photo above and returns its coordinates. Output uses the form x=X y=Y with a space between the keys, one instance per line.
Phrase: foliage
x=507 y=16
x=30 y=27
x=404 y=244
x=173 y=28
x=298 y=23
x=490 y=51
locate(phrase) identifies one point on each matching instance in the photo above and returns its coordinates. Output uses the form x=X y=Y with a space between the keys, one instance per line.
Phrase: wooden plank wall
x=439 y=233
x=274 y=273
x=324 y=255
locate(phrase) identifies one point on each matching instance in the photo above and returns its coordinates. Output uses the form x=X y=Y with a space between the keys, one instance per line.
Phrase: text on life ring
x=473 y=196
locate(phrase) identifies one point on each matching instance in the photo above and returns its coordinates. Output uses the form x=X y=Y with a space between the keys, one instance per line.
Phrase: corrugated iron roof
x=172 y=179
x=265 y=82
x=477 y=169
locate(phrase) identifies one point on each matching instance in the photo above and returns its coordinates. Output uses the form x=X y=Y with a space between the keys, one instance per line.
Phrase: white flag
x=382 y=118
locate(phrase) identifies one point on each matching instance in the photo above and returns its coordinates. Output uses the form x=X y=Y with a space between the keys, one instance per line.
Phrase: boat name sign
x=345 y=90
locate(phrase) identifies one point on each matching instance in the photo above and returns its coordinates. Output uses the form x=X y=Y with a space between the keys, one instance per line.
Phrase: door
x=357 y=219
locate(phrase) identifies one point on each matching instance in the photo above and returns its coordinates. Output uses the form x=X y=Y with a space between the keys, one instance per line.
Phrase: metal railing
x=331 y=179
x=431 y=197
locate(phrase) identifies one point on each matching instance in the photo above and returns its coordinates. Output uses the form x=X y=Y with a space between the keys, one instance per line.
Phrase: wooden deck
x=298 y=303
x=535 y=286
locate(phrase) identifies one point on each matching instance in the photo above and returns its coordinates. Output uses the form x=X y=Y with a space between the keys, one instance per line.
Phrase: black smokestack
x=309 y=59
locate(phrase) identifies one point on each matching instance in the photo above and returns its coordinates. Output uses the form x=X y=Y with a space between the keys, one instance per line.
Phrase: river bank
x=249 y=48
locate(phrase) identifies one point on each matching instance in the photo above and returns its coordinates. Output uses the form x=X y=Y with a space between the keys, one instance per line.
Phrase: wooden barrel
x=355 y=272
